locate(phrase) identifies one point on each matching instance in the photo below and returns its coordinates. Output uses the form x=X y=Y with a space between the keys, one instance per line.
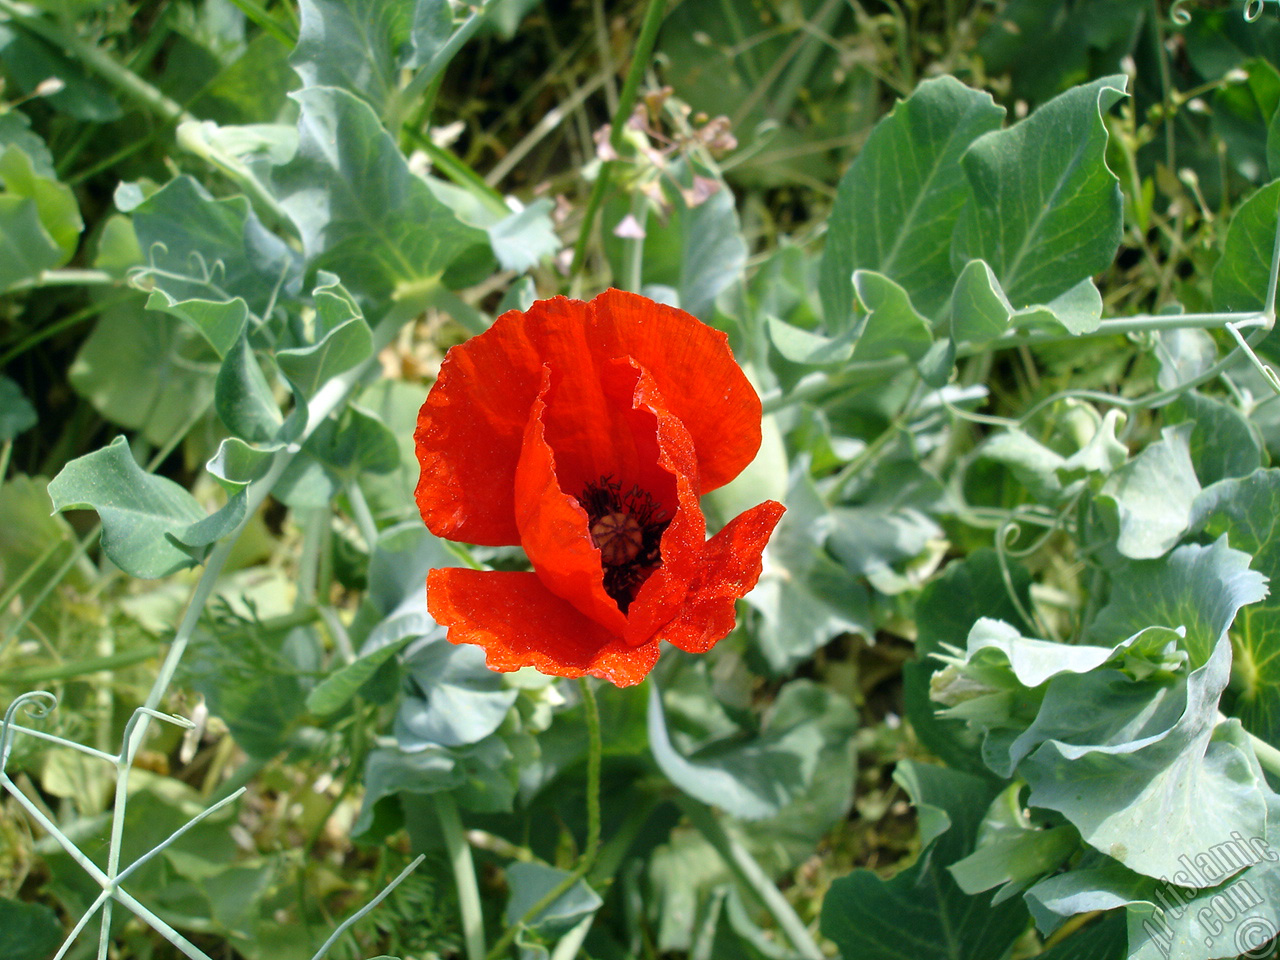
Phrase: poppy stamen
x=627 y=530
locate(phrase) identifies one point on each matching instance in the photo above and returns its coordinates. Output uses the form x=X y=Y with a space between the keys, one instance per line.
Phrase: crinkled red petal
x=471 y=428
x=661 y=596
x=554 y=529
x=730 y=566
x=520 y=623
x=694 y=370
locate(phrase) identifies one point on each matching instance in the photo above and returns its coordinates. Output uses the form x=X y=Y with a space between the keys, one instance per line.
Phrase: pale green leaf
x=891 y=325
x=1151 y=496
x=1045 y=212
x=921 y=912
x=242 y=396
x=221 y=322
x=897 y=204
x=360 y=212
x=55 y=202
x=137 y=509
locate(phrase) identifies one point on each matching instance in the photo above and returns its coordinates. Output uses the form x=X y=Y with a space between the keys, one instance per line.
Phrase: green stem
x=355 y=918
x=626 y=103
x=258 y=14
x=855 y=373
x=595 y=749
x=633 y=247
x=752 y=875
x=80 y=668
x=464 y=875
x=1268 y=756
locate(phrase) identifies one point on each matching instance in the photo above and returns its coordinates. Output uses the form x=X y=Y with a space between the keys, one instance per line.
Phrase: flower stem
x=1268 y=756
x=626 y=103
x=464 y=874
x=595 y=748
x=746 y=869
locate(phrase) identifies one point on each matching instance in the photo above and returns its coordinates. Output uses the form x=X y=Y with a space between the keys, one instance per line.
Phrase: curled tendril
x=1179 y=12
x=1253 y=10
x=37 y=703
x=1009 y=531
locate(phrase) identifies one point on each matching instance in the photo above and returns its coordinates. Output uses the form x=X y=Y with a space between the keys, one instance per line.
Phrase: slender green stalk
x=466 y=30
x=464 y=875
x=626 y=103
x=37 y=676
x=362 y=514
x=44 y=333
x=633 y=247
x=1268 y=756
x=752 y=875
x=359 y=914
x=854 y=374
x=595 y=750
x=258 y=14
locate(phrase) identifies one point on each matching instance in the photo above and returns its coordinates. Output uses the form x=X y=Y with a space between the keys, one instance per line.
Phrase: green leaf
x=199 y=248
x=55 y=202
x=356 y=45
x=922 y=912
x=196 y=539
x=454 y=699
x=1045 y=211
x=980 y=312
x=309 y=368
x=28 y=931
x=482 y=777
x=522 y=240
x=1162 y=751
x=897 y=204
x=15 y=130
x=891 y=326
x=807 y=347
x=242 y=396
x=336 y=690
x=530 y=882
x=144 y=371
x=760 y=777
x=968 y=590
x=1223 y=441
x=16 y=412
x=137 y=509
x=1149 y=499
x=237 y=464
x=803 y=596
x=1245 y=511
x=222 y=323
x=1240 y=278
x=379 y=224
x=25 y=246
x=1196 y=588
x=1103 y=939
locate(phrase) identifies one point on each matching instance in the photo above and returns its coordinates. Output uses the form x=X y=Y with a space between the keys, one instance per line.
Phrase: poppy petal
x=731 y=565
x=520 y=623
x=695 y=371
x=471 y=427
x=554 y=528
x=661 y=596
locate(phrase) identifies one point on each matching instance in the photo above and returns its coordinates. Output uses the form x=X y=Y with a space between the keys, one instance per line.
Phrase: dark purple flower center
x=627 y=529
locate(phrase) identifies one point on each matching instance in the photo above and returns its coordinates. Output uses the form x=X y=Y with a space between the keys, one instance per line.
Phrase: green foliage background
x=1000 y=272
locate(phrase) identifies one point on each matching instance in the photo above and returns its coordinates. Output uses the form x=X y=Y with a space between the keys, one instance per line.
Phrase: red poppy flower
x=586 y=432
